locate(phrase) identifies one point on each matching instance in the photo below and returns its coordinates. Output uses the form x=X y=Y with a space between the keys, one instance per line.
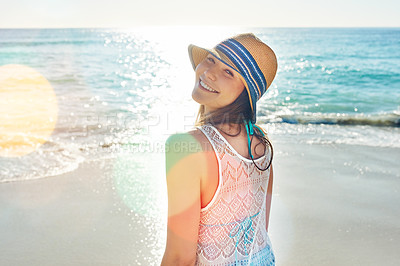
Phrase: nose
x=210 y=73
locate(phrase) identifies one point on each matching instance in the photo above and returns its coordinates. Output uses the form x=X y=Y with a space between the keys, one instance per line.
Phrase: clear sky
x=263 y=13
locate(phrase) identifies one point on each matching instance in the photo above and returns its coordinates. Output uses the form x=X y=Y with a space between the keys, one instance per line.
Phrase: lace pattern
x=232 y=226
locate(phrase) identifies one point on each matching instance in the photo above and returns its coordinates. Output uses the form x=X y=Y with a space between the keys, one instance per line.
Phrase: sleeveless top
x=232 y=226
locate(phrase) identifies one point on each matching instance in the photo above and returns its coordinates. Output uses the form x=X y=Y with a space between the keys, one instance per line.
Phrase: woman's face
x=217 y=85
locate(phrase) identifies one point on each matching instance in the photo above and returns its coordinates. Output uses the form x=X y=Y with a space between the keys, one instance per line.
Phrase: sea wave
x=6 y=44
x=378 y=120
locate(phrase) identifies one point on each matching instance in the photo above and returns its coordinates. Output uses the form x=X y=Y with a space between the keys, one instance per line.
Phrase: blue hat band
x=246 y=65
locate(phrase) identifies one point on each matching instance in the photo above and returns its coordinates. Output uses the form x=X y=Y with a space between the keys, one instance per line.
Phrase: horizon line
x=205 y=26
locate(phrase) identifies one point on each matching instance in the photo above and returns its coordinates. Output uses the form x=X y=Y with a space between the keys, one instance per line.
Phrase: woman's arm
x=269 y=197
x=185 y=166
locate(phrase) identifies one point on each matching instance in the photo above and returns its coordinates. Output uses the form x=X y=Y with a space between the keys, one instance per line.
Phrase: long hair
x=238 y=112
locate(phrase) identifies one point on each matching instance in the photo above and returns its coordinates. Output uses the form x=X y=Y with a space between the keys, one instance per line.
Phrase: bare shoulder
x=180 y=145
x=202 y=139
x=191 y=142
x=195 y=132
x=182 y=142
x=184 y=153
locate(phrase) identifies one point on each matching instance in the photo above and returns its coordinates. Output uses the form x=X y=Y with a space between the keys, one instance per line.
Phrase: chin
x=196 y=96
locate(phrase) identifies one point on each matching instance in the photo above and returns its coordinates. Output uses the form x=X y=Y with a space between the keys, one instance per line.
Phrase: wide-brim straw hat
x=249 y=56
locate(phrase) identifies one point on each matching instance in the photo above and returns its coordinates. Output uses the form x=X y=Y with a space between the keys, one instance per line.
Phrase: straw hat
x=249 y=56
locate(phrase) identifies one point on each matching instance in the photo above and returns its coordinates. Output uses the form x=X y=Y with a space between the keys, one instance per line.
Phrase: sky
x=253 y=13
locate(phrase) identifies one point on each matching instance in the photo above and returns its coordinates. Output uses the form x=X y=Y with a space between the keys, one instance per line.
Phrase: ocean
x=121 y=91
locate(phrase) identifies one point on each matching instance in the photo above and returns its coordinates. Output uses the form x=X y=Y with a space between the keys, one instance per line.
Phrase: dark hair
x=238 y=112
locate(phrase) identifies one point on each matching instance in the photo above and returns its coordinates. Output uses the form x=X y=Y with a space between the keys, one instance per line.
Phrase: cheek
x=235 y=94
x=239 y=87
x=197 y=74
x=238 y=91
x=199 y=69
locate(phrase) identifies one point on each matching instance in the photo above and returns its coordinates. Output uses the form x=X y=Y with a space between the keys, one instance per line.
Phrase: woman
x=219 y=175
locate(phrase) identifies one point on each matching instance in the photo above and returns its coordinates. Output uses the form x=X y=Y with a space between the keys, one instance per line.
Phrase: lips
x=204 y=86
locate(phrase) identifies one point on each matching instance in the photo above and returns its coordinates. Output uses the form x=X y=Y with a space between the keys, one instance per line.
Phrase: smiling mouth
x=206 y=87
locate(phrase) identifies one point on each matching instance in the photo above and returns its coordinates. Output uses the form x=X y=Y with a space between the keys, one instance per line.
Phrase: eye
x=230 y=73
x=210 y=59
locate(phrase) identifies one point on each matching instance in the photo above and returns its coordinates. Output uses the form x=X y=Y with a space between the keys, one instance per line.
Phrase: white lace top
x=233 y=225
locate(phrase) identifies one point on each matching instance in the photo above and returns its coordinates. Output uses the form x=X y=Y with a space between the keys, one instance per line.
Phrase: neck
x=232 y=128
x=208 y=110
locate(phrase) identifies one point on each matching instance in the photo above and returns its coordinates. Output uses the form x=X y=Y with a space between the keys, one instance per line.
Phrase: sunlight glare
x=28 y=110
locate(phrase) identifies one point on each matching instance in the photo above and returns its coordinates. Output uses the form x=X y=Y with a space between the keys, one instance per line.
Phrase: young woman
x=219 y=175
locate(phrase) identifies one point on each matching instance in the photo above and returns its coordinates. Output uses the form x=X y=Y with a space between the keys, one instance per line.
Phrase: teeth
x=206 y=86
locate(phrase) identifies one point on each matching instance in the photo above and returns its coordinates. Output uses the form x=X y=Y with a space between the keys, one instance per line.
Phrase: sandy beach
x=336 y=205
x=78 y=218
x=332 y=205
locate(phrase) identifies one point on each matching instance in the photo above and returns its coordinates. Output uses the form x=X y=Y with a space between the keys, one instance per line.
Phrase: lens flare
x=140 y=183
x=28 y=110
